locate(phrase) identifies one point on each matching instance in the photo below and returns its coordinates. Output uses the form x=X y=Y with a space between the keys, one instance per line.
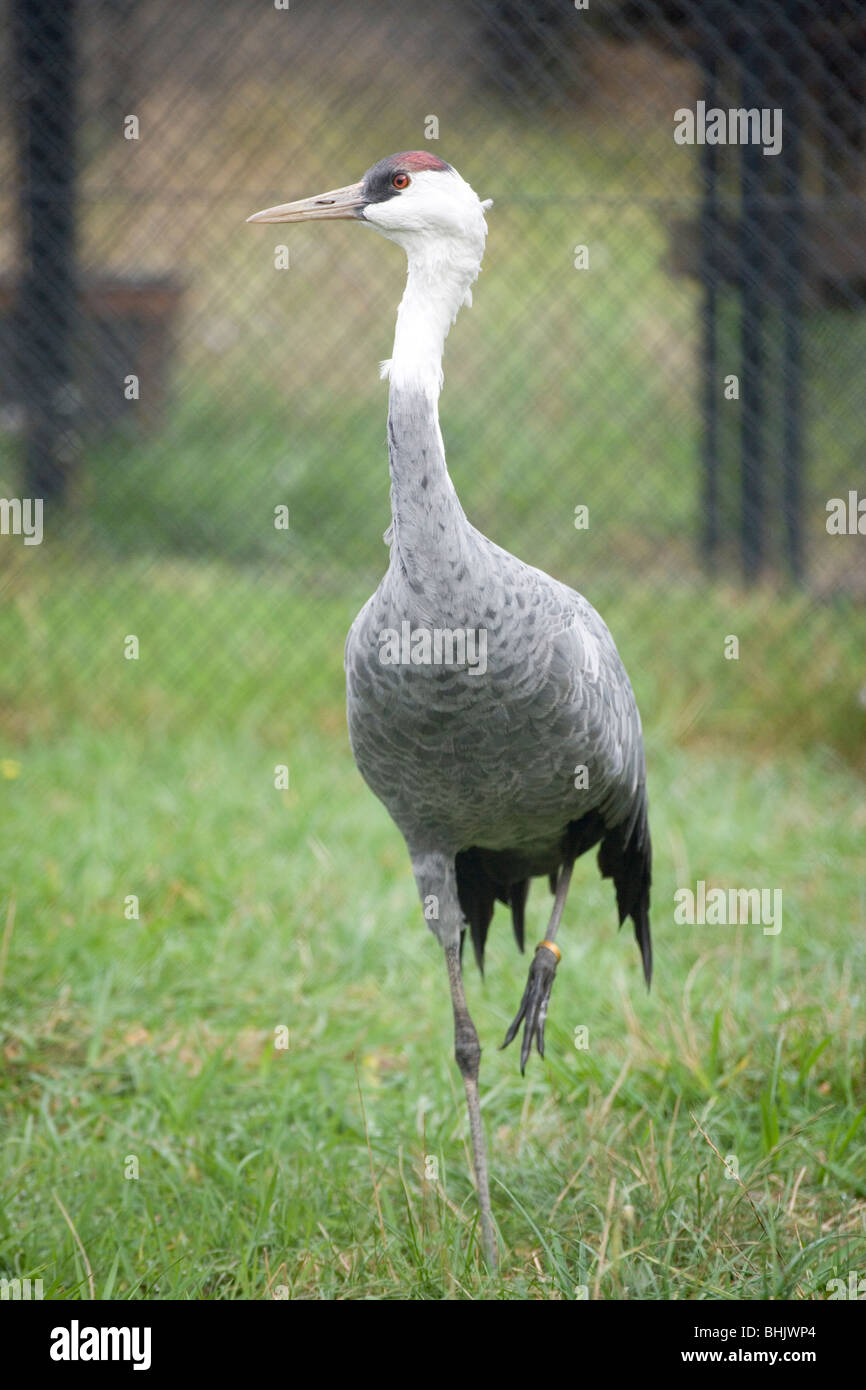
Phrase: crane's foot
x=533 y=1005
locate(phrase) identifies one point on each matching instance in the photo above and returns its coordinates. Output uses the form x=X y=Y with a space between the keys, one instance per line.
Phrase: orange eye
x=400 y=181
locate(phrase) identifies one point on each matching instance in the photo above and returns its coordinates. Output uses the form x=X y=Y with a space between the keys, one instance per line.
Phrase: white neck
x=425 y=509
x=441 y=272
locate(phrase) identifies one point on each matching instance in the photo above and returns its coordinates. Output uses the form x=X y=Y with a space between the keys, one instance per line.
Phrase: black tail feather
x=482 y=880
x=626 y=857
x=476 y=901
x=518 y=894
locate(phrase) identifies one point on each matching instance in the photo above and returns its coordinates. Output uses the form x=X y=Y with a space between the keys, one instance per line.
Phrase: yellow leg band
x=551 y=946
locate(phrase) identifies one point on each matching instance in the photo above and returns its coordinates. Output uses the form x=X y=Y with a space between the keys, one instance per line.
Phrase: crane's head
x=410 y=198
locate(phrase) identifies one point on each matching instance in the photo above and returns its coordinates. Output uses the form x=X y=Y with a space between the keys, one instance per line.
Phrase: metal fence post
x=45 y=79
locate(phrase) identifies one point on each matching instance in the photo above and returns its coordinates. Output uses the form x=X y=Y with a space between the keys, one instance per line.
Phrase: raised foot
x=533 y=1005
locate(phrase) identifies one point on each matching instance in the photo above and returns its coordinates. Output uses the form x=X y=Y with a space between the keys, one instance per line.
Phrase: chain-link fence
x=658 y=394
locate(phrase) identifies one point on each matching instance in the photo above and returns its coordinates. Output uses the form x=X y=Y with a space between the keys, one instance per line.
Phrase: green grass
x=303 y=1169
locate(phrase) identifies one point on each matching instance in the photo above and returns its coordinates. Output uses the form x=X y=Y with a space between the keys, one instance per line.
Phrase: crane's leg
x=467 y=1050
x=536 y=996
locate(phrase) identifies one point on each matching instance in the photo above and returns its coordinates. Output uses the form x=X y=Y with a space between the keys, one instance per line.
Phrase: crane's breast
x=490 y=717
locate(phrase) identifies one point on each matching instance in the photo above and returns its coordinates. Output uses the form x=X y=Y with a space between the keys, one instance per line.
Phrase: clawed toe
x=533 y=1005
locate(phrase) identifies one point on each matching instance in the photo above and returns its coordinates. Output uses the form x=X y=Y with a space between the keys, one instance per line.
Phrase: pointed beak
x=341 y=202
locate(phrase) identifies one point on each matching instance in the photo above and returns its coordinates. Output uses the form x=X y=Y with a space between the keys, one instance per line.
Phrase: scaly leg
x=536 y=996
x=467 y=1050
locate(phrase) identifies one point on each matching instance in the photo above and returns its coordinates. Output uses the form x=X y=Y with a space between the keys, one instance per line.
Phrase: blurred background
x=670 y=335
x=138 y=138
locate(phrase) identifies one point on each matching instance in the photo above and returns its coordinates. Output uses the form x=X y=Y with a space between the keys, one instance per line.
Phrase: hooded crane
x=488 y=707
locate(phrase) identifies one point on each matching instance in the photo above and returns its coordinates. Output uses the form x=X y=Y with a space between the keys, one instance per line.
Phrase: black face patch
x=376 y=183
